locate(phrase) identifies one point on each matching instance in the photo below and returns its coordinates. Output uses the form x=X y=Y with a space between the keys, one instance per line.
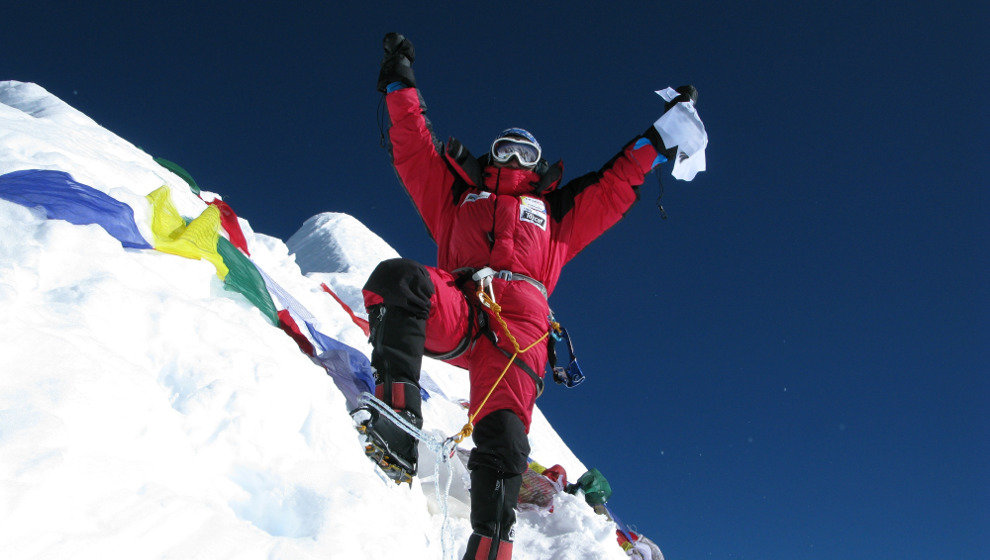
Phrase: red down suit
x=502 y=224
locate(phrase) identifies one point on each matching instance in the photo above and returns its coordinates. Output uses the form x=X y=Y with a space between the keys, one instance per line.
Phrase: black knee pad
x=501 y=443
x=402 y=283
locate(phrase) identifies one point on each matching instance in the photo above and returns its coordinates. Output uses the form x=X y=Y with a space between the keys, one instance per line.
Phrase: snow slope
x=146 y=412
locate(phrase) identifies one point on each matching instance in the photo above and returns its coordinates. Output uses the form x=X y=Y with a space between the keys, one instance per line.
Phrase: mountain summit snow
x=147 y=412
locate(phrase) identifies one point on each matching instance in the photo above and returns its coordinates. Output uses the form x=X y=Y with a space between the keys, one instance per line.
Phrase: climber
x=504 y=228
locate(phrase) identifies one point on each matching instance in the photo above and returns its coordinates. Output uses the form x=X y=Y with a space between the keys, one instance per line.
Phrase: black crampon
x=388 y=445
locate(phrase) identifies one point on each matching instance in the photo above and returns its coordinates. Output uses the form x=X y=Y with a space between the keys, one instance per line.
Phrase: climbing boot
x=386 y=443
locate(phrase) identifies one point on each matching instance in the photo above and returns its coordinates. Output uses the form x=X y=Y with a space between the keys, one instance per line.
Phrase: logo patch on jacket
x=533 y=210
x=476 y=196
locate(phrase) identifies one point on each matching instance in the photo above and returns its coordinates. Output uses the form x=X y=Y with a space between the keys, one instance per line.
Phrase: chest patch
x=476 y=196
x=533 y=210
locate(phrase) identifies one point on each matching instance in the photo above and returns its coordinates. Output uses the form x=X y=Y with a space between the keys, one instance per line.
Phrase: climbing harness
x=444 y=449
x=486 y=295
x=485 y=276
x=478 y=322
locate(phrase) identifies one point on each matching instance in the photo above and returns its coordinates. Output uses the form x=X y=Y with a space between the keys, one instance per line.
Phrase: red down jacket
x=504 y=225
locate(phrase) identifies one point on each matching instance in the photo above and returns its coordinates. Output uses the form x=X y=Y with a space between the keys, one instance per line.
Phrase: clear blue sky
x=794 y=365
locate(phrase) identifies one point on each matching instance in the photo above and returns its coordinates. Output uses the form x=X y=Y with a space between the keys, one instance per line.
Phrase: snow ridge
x=147 y=412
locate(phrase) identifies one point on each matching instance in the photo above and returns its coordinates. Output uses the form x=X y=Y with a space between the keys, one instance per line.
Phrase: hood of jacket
x=508 y=181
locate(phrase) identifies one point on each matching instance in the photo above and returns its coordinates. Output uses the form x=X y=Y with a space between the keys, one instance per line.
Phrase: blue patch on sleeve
x=643 y=142
x=395 y=86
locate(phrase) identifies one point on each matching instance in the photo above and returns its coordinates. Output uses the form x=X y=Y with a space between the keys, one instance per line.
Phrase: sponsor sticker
x=476 y=196
x=534 y=204
x=533 y=210
x=527 y=215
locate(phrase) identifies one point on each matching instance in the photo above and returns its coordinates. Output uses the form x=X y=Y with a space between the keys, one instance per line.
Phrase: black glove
x=397 y=62
x=687 y=93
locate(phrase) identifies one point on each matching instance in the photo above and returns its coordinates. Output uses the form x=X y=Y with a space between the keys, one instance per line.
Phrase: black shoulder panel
x=550 y=176
x=561 y=201
x=466 y=169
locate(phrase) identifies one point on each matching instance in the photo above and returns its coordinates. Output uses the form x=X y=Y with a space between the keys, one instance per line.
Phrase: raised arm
x=416 y=155
x=587 y=206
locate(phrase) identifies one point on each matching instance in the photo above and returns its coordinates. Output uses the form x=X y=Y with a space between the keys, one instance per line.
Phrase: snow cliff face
x=341 y=251
x=326 y=244
x=146 y=412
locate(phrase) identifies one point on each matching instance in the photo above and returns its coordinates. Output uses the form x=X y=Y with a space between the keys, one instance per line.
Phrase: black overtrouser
x=496 y=464
x=398 y=329
x=398 y=336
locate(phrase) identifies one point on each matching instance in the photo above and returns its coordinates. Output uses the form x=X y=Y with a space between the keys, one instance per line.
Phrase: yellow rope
x=497 y=310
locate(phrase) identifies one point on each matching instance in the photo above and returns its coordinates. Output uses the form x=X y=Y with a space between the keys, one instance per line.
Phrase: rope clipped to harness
x=487 y=297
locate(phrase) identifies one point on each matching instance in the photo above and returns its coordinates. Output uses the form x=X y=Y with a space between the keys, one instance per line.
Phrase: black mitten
x=687 y=93
x=397 y=62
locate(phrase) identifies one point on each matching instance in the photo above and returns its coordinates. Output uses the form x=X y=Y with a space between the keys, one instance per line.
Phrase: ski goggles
x=507 y=147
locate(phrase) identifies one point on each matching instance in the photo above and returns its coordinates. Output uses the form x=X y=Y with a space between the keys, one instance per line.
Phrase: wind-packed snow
x=147 y=412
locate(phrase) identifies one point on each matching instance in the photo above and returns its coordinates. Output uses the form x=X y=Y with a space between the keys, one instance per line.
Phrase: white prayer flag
x=682 y=127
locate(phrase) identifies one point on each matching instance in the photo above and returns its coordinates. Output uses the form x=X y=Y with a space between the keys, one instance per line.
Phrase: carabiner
x=484 y=279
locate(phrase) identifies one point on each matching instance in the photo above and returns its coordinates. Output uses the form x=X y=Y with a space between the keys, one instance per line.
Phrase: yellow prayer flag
x=197 y=240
